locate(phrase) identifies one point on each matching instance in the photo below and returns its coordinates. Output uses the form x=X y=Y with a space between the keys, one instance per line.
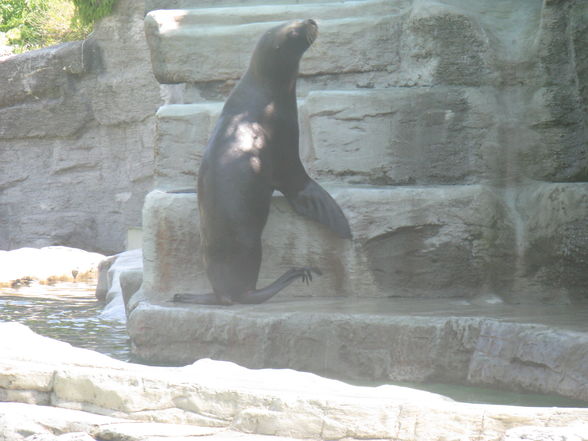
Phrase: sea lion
x=252 y=151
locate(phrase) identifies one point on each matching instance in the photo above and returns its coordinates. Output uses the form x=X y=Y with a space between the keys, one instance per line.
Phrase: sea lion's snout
x=311 y=30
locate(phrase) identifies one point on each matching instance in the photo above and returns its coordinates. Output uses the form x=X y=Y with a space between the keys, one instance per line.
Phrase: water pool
x=68 y=312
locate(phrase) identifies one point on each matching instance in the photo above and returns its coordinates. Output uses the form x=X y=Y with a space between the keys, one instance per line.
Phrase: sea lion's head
x=279 y=50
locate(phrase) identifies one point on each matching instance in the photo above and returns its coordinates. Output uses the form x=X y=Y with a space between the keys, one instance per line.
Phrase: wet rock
x=130 y=283
x=103 y=284
x=123 y=277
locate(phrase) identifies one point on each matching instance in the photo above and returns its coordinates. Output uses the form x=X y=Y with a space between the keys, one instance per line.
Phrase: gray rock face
x=76 y=138
x=182 y=132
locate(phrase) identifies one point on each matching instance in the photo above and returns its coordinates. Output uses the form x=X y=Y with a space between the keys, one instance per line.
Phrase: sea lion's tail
x=314 y=202
x=252 y=297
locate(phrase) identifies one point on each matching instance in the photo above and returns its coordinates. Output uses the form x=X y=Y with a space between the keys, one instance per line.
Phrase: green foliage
x=15 y=13
x=32 y=24
x=88 y=11
x=20 y=20
x=11 y=14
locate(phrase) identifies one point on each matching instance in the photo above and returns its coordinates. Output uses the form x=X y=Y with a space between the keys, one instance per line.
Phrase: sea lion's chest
x=266 y=134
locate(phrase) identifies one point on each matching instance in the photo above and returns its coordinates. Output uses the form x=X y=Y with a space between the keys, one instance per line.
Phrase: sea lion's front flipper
x=315 y=202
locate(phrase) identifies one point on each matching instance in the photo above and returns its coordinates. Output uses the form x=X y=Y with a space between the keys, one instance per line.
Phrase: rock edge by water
x=87 y=394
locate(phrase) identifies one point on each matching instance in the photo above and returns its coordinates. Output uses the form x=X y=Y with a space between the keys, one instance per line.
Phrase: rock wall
x=76 y=138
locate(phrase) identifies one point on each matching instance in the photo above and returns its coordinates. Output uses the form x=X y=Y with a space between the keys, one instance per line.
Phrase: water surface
x=68 y=312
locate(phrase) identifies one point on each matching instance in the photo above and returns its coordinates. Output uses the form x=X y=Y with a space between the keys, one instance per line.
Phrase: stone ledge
x=409 y=241
x=225 y=401
x=173 y=44
x=168 y=18
x=19 y=422
x=151 y=5
x=540 y=349
x=397 y=135
x=394 y=136
x=39 y=74
x=382 y=260
x=366 y=136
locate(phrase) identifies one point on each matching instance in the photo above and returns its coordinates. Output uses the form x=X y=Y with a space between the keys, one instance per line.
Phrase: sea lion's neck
x=255 y=92
x=277 y=79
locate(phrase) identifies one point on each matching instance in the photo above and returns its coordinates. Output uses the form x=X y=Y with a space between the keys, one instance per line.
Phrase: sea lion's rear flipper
x=263 y=294
x=202 y=299
x=252 y=297
x=317 y=204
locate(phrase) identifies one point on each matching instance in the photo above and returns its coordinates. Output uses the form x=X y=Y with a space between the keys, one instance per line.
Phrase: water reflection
x=68 y=312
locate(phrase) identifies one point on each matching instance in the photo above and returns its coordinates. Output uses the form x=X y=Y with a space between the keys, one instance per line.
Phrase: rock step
x=409 y=241
x=453 y=47
x=151 y=5
x=540 y=349
x=395 y=136
x=223 y=50
x=181 y=135
x=172 y=19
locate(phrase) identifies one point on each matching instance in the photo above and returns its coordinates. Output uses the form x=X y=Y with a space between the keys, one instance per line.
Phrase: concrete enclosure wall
x=76 y=138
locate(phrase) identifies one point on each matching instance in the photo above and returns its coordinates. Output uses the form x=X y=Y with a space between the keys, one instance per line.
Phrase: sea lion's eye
x=292 y=34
